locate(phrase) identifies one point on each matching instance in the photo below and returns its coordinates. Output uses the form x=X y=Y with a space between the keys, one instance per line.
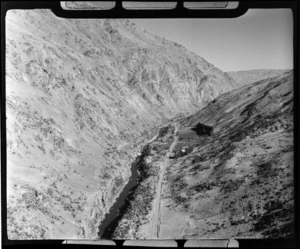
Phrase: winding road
x=156 y=207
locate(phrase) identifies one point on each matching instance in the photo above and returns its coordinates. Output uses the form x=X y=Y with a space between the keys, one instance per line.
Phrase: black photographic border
x=178 y=12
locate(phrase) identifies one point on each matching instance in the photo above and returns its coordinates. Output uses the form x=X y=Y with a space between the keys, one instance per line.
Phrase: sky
x=260 y=39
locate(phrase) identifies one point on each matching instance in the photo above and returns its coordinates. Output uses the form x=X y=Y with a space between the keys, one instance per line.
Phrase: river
x=122 y=202
x=110 y=221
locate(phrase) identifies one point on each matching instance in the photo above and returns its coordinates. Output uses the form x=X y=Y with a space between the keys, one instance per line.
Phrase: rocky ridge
x=82 y=98
x=250 y=76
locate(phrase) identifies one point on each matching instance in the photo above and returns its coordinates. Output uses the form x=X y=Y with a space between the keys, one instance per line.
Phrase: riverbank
x=138 y=152
x=140 y=173
x=135 y=217
x=135 y=154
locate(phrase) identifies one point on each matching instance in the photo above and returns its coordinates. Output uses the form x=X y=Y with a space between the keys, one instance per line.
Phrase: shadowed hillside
x=226 y=173
x=237 y=182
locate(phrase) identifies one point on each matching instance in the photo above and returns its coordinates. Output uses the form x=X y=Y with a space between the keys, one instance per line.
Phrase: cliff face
x=238 y=181
x=82 y=96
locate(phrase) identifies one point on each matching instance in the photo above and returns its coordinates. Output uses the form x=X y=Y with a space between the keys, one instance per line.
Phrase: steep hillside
x=82 y=97
x=251 y=76
x=238 y=180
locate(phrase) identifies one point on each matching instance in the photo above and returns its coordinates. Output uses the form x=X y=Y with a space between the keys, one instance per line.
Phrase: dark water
x=111 y=219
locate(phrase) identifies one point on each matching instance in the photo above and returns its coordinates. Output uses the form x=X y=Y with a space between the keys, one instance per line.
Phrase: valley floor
x=142 y=218
x=238 y=206
x=235 y=183
x=157 y=201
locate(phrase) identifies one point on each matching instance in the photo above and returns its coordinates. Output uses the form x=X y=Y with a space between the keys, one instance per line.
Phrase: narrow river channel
x=111 y=219
x=123 y=201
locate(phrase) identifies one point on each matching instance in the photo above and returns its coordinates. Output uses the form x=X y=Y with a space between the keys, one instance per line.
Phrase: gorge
x=82 y=102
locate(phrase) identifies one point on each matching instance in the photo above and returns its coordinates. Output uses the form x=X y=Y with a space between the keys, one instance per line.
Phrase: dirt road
x=156 y=208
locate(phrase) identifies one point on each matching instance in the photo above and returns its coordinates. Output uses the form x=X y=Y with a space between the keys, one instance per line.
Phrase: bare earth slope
x=237 y=182
x=82 y=97
x=251 y=76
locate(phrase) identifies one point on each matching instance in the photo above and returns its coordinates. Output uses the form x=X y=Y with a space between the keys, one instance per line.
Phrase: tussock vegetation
x=140 y=201
x=83 y=96
x=238 y=182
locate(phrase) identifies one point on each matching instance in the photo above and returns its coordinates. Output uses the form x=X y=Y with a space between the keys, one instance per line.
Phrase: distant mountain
x=251 y=76
x=238 y=181
x=82 y=98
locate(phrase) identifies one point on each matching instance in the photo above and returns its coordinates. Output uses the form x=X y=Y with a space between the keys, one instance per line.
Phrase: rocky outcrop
x=82 y=97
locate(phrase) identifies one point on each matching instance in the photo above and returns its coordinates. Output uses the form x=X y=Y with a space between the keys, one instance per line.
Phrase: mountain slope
x=251 y=76
x=82 y=97
x=238 y=181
